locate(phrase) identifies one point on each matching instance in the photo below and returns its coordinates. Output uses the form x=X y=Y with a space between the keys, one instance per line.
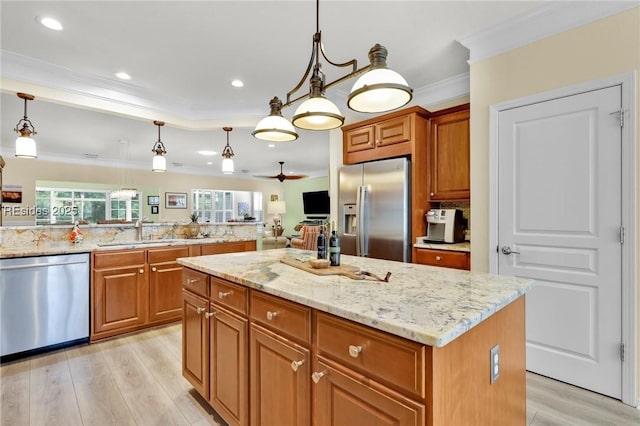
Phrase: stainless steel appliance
x=374 y=203
x=44 y=302
x=445 y=226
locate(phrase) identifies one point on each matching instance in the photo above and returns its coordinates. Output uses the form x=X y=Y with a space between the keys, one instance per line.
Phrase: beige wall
x=601 y=49
x=26 y=172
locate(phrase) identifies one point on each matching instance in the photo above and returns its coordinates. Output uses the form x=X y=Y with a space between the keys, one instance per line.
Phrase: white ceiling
x=182 y=56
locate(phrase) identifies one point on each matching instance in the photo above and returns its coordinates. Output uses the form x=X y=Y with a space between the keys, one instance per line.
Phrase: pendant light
x=227 y=154
x=159 y=162
x=379 y=90
x=25 y=144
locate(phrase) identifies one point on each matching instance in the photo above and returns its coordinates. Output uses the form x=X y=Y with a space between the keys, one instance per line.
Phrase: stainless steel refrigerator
x=374 y=207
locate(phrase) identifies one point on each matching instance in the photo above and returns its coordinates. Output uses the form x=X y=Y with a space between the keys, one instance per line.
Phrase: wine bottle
x=322 y=244
x=334 y=249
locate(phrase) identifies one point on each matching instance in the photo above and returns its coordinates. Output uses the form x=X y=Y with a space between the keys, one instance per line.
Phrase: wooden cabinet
x=195 y=342
x=119 y=291
x=342 y=397
x=229 y=358
x=444 y=258
x=165 y=283
x=280 y=388
x=227 y=247
x=450 y=157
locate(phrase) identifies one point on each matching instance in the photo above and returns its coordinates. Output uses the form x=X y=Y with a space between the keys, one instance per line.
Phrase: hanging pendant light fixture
x=159 y=162
x=25 y=144
x=227 y=154
x=379 y=90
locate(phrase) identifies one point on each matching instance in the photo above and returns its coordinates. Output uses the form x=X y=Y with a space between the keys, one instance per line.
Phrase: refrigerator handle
x=361 y=243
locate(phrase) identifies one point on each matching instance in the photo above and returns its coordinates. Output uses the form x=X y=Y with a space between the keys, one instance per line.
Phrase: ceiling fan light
x=379 y=90
x=26 y=147
x=159 y=163
x=227 y=166
x=275 y=128
x=318 y=113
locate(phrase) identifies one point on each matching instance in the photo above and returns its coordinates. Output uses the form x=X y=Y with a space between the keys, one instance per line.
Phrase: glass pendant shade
x=318 y=113
x=276 y=129
x=159 y=163
x=26 y=147
x=124 y=194
x=379 y=90
x=227 y=166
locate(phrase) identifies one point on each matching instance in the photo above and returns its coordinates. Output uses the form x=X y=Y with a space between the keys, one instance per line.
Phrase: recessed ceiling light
x=123 y=75
x=237 y=83
x=271 y=145
x=51 y=23
x=208 y=153
x=209 y=163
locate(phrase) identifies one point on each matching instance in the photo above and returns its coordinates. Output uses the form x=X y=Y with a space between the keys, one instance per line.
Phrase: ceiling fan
x=281 y=176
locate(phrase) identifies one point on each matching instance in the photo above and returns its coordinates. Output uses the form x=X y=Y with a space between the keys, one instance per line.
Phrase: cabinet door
x=345 y=399
x=195 y=342
x=229 y=380
x=228 y=247
x=119 y=298
x=359 y=139
x=165 y=291
x=450 y=157
x=394 y=131
x=447 y=259
x=280 y=376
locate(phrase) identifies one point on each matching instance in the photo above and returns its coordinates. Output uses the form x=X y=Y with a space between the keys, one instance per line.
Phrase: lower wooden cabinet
x=344 y=397
x=444 y=258
x=165 y=283
x=280 y=372
x=195 y=342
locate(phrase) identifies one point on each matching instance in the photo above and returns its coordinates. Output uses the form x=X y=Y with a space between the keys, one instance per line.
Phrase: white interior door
x=560 y=215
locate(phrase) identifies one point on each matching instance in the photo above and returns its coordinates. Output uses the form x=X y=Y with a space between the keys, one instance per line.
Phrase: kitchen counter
x=424 y=304
x=66 y=247
x=464 y=246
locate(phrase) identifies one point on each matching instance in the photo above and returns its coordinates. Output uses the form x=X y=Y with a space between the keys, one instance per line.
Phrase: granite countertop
x=65 y=247
x=425 y=304
x=463 y=246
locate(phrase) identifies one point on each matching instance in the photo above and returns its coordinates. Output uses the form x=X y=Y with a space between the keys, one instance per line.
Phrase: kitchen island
x=419 y=349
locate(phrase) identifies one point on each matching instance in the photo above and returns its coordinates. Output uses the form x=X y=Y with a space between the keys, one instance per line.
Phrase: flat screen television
x=316 y=203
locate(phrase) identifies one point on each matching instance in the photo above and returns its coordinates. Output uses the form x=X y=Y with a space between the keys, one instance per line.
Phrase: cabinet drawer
x=227 y=294
x=447 y=259
x=397 y=362
x=114 y=259
x=281 y=315
x=195 y=281
x=166 y=254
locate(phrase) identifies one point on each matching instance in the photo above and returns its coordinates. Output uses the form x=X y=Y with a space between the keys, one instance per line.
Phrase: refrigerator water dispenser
x=350 y=219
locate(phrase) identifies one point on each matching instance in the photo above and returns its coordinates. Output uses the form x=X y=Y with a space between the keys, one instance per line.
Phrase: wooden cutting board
x=346 y=270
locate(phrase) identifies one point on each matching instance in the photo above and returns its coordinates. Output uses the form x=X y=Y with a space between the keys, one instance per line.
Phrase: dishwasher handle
x=37 y=265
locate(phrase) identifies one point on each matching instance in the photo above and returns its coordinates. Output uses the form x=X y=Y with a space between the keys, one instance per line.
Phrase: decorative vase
x=194 y=229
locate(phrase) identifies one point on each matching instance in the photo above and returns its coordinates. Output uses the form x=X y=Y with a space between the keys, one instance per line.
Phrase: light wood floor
x=137 y=380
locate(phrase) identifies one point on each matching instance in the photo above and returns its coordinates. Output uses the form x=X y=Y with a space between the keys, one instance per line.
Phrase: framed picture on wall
x=155 y=209
x=153 y=200
x=175 y=200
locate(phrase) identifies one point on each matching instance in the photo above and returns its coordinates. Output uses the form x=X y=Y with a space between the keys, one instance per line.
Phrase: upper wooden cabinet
x=449 y=157
x=388 y=136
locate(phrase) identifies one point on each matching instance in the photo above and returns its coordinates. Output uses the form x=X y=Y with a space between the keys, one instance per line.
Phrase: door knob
x=507 y=250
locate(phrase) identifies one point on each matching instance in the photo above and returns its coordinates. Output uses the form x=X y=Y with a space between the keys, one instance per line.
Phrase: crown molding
x=442 y=91
x=550 y=19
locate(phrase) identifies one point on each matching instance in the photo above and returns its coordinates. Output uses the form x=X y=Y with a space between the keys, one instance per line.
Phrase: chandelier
x=379 y=89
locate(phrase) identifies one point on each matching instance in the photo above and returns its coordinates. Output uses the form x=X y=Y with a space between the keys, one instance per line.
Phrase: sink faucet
x=138 y=226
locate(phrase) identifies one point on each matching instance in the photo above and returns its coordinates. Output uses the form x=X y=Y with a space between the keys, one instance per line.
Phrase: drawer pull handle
x=209 y=314
x=200 y=311
x=438 y=258
x=316 y=376
x=142 y=270
x=192 y=281
x=296 y=364
x=354 y=351
x=271 y=315
x=154 y=269
x=222 y=295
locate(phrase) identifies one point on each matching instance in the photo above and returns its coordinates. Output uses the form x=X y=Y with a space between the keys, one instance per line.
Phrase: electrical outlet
x=495 y=363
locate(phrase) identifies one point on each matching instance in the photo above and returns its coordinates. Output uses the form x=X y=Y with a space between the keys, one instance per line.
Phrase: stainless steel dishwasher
x=44 y=303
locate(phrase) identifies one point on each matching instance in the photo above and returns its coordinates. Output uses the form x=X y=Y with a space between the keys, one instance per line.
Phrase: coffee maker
x=445 y=226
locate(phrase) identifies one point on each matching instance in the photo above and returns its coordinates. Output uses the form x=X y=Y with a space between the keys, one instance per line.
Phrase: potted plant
x=194 y=226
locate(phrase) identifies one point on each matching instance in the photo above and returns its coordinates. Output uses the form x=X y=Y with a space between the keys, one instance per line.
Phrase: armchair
x=308 y=238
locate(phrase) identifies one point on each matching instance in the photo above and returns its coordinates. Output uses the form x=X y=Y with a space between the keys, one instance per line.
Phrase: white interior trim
x=553 y=18
x=629 y=208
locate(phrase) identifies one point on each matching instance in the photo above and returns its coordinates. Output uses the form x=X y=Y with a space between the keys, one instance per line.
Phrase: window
x=61 y=206
x=219 y=206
